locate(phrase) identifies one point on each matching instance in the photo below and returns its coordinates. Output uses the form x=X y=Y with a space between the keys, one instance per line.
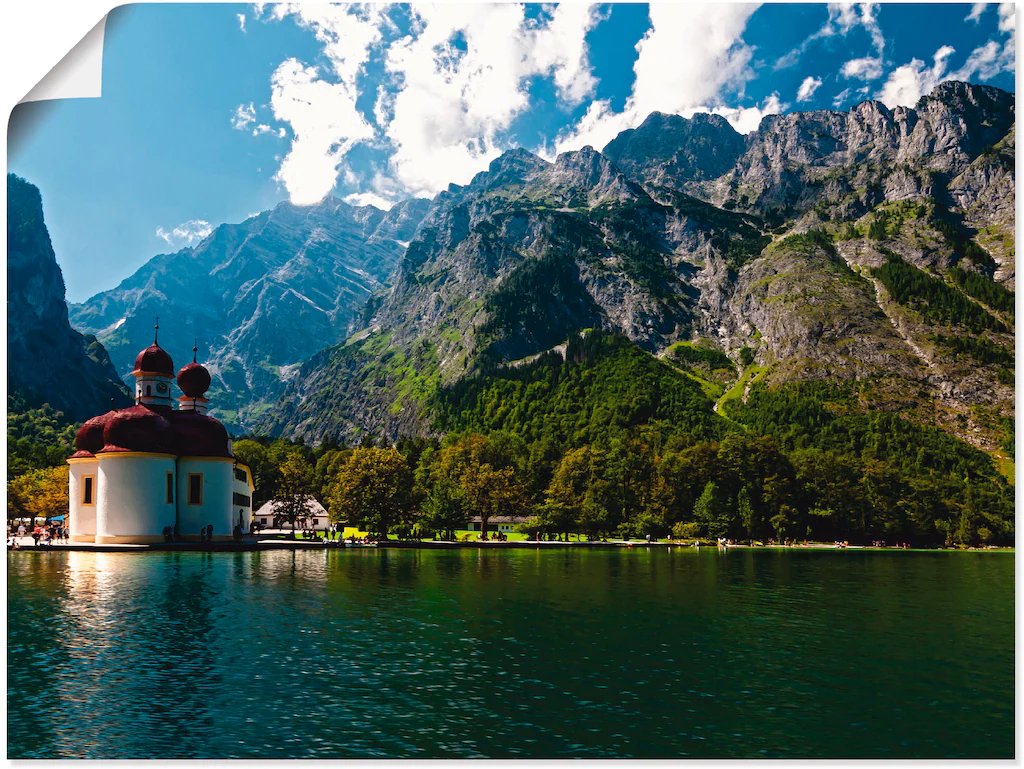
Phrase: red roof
x=194 y=380
x=139 y=428
x=90 y=434
x=153 y=429
x=198 y=435
x=154 y=359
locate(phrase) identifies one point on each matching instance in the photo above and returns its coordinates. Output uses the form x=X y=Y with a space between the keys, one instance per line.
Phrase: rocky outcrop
x=47 y=360
x=673 y=151
x=806 y=314
x=260 y=297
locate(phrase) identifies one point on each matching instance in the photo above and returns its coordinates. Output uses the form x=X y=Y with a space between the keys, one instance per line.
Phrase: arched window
x=149 y=390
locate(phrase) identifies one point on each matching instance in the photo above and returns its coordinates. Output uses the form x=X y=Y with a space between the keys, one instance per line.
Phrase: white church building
x=149 y=469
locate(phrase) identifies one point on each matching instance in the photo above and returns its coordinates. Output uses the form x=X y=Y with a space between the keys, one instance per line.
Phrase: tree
x=294 y=489
x=373 y=489
x=264 y=473
x=746 y=511
x=710 y=511
x=491 y=491
x=39 y=493
x=444 y=509
x=485 y=475
x=555 y=518
x=567 y=492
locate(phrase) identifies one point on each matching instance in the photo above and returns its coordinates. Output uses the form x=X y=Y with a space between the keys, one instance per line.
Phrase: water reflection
x=517 y=653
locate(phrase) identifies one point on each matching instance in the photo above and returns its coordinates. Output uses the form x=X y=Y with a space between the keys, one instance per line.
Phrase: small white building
x=141 y=471
x=316 y=516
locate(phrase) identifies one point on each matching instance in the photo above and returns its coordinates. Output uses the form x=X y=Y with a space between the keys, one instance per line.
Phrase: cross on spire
x=156 y=330
x=195 y=349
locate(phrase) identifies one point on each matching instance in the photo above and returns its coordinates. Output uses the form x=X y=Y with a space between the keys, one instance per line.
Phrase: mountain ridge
x=47 y=360
x=531 y=252
x=315 y=265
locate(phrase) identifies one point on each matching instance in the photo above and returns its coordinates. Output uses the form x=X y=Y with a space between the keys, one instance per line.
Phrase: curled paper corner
x=79 y=75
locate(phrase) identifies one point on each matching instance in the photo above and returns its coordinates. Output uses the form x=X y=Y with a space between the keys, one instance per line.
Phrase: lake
x=462 y=653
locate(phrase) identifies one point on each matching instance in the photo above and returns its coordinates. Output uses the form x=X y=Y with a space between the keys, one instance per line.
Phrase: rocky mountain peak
x=515 y=166
x=669 y=150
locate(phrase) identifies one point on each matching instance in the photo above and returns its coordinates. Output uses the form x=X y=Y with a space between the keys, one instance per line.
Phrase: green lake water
x=606 y=653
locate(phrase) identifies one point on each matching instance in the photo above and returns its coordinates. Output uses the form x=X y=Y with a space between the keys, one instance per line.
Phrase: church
x=142 y=472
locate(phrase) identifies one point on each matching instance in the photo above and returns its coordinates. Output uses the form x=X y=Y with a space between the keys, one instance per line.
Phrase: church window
x=195 y=488
x=149 y=390
x=170 y=488
x=88 y=491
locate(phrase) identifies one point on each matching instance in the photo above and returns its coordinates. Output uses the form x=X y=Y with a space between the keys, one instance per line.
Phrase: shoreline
x=258 y=545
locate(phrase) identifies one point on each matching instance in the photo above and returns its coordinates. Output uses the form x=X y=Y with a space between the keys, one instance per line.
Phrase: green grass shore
x=464 y=536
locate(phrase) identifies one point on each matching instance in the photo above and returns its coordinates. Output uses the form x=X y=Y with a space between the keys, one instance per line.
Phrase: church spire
x=156 y=330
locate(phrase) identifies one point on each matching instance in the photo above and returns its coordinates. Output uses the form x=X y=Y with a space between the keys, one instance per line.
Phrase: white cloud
x=747 y=119
x=463 y=80
x=325 y=125
x=241 y=21
x=994 y=57
x=369 y=199
x=690 y=55
x=244 y=116
x=561 y=47
x=976 y=10
x=841 y=97
x=458 y=76
x=867 y=68
x=185 y=234
x=908 y=83
x=454 y=83
x=842 y=19
x=807 y=88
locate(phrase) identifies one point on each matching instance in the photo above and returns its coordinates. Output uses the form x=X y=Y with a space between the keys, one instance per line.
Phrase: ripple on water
x=515 y=653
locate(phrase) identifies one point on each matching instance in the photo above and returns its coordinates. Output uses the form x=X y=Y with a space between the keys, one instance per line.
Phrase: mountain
x=260 y=297
x=872 y=247
x=47 y=360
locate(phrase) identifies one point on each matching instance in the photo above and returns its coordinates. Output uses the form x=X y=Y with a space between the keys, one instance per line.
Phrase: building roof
x=194 y=380
x=269 y=509
x=501 y=519
x=138 y=428
x=154 y=360
x=153 y=428
x=90 y=434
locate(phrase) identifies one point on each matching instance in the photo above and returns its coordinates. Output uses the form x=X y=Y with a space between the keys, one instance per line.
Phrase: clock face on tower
x=161 y=388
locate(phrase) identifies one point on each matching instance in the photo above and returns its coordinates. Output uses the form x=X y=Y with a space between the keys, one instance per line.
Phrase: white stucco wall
x=132 y=499
x=82 y=518
x=216 y=507
x=241 y=487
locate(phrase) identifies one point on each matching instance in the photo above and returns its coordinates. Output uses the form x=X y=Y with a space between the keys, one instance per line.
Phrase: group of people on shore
x=45 y=535
x=331 y=533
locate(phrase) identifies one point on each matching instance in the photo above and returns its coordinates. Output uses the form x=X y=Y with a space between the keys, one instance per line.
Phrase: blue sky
x=213 y=112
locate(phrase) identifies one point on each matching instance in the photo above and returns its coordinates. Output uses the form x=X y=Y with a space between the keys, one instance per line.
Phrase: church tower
x=154 y=373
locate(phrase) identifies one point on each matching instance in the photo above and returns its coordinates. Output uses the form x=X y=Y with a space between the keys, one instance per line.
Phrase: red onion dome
x=194 y=380
x=90 y=435
x=139 y=429
x=155 y=360
x=198 y=435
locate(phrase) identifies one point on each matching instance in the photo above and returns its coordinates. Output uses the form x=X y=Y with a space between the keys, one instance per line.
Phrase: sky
x=211 y=113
